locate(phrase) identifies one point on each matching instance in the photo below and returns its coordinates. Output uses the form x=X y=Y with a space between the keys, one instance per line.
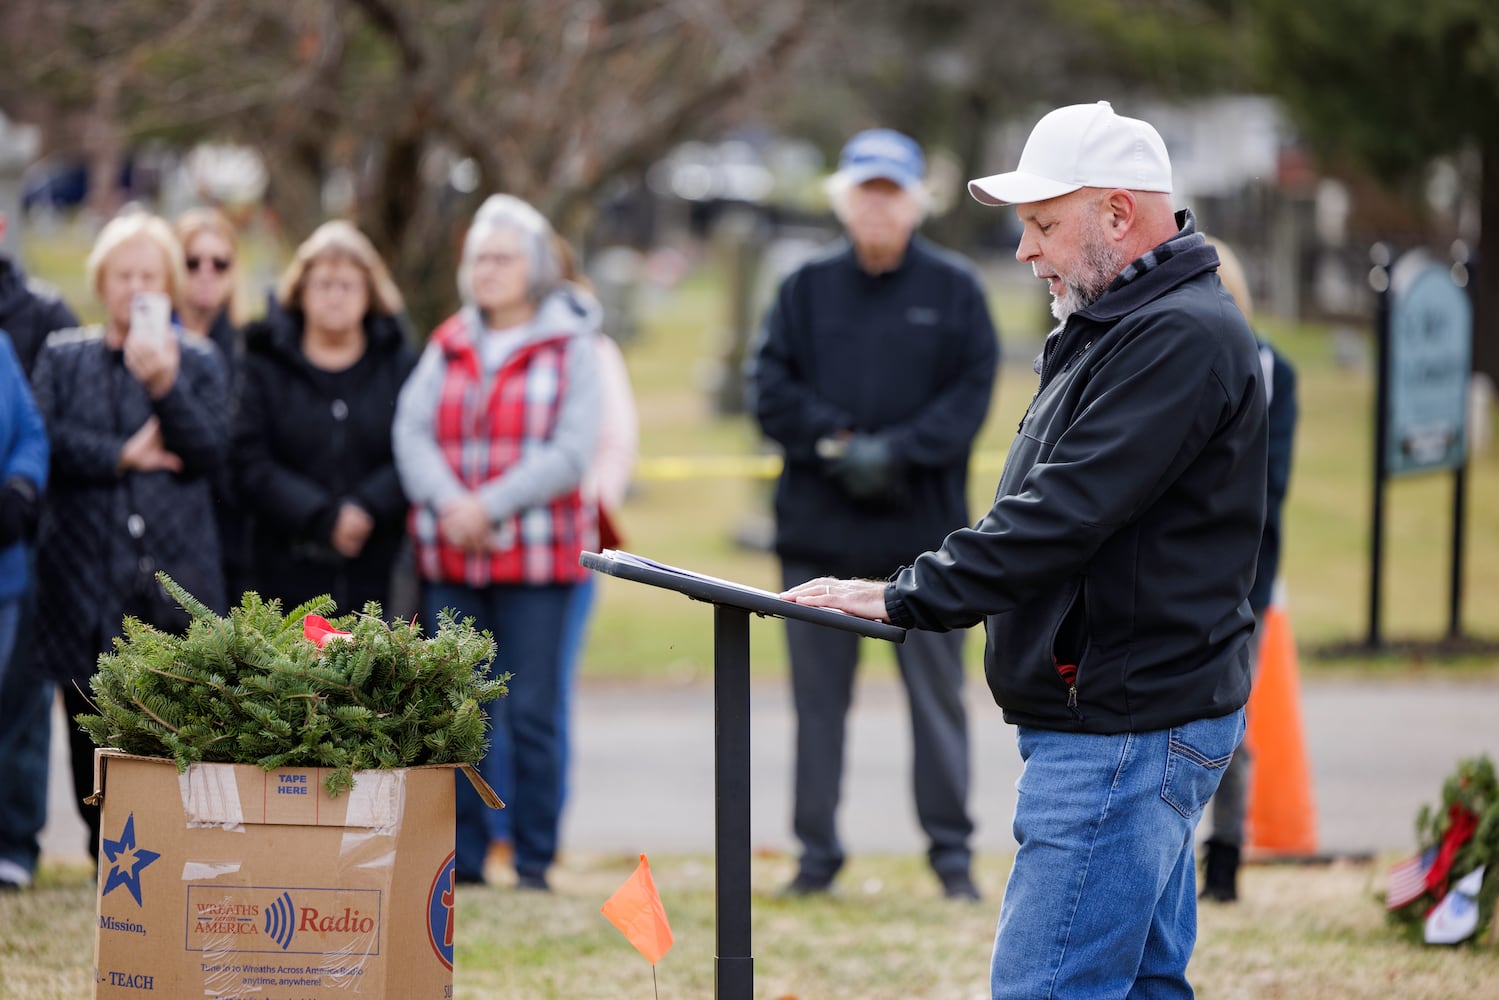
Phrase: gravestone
x=18 y=147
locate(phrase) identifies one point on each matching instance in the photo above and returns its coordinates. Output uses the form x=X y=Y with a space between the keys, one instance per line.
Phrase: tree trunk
x=105 y=146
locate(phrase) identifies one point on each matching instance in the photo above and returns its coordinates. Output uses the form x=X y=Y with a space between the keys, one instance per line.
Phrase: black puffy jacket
x=104 y=534
x=306 y=440
x=1125 y=530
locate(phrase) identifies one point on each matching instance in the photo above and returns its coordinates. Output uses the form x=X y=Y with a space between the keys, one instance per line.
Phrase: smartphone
x=151 y=317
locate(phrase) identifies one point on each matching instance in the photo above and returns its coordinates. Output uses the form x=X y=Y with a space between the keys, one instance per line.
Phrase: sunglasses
x=219 y=264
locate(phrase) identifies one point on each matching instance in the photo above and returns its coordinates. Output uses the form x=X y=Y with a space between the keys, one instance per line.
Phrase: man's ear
x=1117 y=212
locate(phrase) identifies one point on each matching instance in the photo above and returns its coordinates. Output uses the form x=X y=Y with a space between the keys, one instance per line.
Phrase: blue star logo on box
x=126 y=861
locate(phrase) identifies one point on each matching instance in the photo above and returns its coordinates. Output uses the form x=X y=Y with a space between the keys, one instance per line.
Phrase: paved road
x=643 y=766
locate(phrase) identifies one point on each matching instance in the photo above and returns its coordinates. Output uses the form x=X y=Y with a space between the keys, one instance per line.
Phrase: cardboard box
x=230 y=881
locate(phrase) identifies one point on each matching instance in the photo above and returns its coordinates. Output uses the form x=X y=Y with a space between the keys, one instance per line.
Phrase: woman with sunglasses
x=312 y=451
x=209 y=303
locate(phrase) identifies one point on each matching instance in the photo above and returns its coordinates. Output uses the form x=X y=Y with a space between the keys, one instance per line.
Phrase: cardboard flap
x=481 y=786
x=99 y=754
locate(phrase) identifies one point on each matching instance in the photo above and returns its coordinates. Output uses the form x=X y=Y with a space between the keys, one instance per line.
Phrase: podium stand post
x=734 y=966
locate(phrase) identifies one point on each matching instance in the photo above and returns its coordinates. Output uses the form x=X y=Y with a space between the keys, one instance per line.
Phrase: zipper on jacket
x=1074 y=359
x=1046 y=372
x=1068 y=671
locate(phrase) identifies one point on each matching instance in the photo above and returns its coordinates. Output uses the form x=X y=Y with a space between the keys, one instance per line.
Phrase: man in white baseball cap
x=1113 y=569
x=1081 y=145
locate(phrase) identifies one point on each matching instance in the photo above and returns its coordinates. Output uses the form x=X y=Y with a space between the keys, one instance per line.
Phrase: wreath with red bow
x=1457 y=837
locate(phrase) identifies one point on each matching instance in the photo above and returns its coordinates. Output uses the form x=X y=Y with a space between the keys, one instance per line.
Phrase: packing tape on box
x=227 y=796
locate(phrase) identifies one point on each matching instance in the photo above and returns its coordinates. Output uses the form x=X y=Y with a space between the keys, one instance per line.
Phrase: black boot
x=1220 y=875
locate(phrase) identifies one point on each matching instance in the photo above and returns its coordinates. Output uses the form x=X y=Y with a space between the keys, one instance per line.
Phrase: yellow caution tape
x=668 y=467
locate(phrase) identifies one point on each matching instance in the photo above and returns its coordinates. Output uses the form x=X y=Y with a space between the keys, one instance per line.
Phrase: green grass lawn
x=1296 y=934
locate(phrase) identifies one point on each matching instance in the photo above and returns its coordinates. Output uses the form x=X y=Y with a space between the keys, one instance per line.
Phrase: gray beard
x=1101 y=263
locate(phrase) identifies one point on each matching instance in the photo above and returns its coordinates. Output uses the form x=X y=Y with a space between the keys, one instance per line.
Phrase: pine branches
x=250 y=689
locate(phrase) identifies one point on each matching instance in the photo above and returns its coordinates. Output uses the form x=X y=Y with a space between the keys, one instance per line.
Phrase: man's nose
x=1027 y=250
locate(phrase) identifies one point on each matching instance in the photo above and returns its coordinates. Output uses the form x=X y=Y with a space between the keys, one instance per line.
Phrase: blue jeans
x=525 y=752
x=1102 y=900
x=574 y=632
x=25 y=739
x=10 y=620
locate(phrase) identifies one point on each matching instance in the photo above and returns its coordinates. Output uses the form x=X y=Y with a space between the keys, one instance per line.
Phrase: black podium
x=734 y=965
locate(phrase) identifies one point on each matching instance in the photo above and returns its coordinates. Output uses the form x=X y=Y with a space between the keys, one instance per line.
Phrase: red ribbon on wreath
x=321 y=631
x=1461 y=823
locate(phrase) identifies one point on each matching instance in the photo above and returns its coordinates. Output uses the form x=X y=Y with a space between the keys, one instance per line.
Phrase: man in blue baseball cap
x=874 y=373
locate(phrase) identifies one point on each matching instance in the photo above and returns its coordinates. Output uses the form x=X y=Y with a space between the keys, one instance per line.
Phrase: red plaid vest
x=483 y=435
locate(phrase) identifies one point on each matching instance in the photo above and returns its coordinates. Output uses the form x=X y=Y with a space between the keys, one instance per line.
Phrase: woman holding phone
x=137 y=414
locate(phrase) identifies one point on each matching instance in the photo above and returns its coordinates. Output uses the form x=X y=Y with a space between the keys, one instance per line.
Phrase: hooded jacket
x=1123 y=536
x=516 y=428
x=305 y=441
x=29 y=310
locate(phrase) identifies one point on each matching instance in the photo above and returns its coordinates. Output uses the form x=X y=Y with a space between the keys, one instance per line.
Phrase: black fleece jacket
x=907 y=357
x=1124 y=533
x=305 y=441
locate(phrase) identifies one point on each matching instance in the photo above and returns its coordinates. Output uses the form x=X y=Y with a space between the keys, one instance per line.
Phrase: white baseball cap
x=1081 y=145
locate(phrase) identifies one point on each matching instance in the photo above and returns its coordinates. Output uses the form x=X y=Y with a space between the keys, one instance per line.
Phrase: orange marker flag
x=635 y=908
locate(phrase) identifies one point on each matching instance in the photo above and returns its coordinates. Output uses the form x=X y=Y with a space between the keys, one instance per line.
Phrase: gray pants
x=823 y=663
x=1231 y=801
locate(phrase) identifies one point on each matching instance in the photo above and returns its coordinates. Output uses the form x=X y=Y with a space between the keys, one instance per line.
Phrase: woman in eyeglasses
x=209 y=303
x=312 y=451
x=493 y=434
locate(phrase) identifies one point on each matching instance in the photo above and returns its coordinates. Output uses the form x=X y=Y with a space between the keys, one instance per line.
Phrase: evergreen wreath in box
x=1457 y=838
x=252 y=689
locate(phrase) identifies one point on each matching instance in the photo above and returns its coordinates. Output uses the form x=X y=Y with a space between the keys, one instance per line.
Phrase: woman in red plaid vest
x=493 y=432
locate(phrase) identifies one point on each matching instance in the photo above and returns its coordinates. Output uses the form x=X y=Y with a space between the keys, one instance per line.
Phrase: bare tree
x=547 y=99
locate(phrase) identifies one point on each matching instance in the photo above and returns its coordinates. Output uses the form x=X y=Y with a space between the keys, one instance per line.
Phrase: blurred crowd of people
x=303 y=453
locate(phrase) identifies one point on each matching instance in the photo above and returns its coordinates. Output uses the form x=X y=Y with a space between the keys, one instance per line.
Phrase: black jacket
x=29 y=310
x=1282 y=435
x=1128 y=516
x=307 y=440
x=908 y=358
x=103 y=534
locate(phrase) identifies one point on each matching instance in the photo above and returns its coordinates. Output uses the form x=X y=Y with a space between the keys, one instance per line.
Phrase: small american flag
x=1408 y=879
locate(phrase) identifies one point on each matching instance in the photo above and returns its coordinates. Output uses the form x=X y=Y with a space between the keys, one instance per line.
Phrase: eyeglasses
x=334 y=286
x=219 y=264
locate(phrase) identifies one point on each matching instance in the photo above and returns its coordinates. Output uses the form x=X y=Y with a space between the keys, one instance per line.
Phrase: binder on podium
x=733 y=603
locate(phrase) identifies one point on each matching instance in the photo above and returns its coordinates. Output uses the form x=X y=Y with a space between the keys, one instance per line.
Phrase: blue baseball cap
x=882 y=153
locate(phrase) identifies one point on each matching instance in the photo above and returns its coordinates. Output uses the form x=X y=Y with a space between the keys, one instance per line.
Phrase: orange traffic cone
x=1281 y=816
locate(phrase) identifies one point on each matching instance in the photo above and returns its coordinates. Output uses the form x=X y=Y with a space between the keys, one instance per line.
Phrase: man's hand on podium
x=863 y=598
